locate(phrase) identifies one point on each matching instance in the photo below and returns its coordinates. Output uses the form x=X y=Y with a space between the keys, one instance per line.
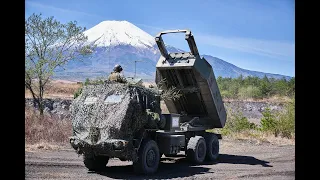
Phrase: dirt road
x=237 y=160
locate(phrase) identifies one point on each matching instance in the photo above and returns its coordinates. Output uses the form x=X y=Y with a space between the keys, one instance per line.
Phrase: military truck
x=125 y=121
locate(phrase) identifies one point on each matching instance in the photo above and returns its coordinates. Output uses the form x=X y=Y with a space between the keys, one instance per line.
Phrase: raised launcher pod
x=194 y=77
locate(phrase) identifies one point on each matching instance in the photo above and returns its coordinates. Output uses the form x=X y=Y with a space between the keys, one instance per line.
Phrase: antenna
x=135 y=71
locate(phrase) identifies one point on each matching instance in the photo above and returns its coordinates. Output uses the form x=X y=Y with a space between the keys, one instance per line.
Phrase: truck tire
x=148 y=158
x=196 y=149
x=95 y=163
x=212 y=143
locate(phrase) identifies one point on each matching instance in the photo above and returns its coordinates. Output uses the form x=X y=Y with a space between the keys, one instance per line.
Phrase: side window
x=90 y=100
x=146 y=102
x=143 y=100
x=114 y=98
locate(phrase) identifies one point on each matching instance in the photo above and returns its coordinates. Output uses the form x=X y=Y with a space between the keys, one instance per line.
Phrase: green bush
x=282 y=123
x=97 y=81
x=87 y=82
x=268 y=121
x=249 y=92
x=254 y=87
x=77 y=93
x=226 y=94
x=286 y=120
x=234 y=90
x=236 y=122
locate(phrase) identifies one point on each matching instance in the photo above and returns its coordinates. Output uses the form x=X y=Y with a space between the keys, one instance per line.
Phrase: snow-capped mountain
x=114 y=33
x=121 y=42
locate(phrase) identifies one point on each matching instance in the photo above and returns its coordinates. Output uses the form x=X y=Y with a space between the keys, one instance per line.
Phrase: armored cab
x=106 y=117
x=193 y=76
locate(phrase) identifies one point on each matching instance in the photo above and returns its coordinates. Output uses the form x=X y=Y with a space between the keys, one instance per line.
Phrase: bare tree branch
x=49 y=44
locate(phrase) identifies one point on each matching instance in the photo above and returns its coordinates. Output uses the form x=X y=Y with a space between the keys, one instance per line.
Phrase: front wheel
x=95 y=163
x=148 y=158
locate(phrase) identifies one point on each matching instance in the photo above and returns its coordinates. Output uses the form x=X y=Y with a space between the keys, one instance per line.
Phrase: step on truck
x=125 y=121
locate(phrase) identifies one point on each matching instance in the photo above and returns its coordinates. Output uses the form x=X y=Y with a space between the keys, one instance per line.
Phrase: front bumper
x=117 y=148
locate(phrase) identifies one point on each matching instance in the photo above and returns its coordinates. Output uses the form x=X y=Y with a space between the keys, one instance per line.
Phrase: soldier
x=116 y=75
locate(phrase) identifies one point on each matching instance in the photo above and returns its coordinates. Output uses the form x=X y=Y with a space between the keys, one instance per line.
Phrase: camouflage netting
x=116 y=110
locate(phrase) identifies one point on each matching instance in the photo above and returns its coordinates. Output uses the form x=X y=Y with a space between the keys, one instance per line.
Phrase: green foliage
x=254 y=87
x=77 y=93
x=265 y=88
x=280 y=124
x=96 y=81
x=236 y=122
x=268 y=121
x=50 y=44
x=87 y=81
x=249 y=92
x=167 y=92
x=226 y=94
x=291 y=87
x=286 y=120
x=170 y=93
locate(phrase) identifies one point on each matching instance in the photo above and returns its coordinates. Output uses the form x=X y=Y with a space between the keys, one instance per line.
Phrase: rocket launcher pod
x=194 y=78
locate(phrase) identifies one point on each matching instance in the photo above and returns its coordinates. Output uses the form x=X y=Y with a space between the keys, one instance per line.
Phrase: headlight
x=175 y=122
x=74 y=143
x=118 y=145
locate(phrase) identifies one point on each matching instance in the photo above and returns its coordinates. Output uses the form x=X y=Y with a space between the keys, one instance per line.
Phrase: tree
x=268 y=121
x=291 y=86
x=265 y=86
x=50 y=44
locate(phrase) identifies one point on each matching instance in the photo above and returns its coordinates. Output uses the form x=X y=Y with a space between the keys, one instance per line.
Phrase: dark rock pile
x=53 y=107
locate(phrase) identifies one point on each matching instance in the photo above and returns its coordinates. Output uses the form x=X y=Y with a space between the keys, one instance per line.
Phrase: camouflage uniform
x=117 y=77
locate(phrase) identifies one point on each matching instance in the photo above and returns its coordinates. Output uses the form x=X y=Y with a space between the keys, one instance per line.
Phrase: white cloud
x=274 y=49
x=150 y=27
x=42 y=6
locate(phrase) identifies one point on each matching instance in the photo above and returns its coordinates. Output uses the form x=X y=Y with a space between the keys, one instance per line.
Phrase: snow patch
x=113 y=33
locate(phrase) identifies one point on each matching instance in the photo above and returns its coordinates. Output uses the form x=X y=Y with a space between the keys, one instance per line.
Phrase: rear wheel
x=148 y=158
x=212 y=143
x=196 y=149
x=95 y=163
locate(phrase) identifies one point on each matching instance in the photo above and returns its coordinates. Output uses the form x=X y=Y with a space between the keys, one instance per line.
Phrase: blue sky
x=252 y=34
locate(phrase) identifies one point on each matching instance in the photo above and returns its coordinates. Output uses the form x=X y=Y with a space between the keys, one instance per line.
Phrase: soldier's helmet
x=117 y=68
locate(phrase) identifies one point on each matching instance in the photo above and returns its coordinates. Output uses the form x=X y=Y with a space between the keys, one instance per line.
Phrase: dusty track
x=237 y=160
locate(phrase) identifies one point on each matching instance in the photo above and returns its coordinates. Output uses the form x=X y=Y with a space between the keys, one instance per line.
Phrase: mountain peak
x=113 y=33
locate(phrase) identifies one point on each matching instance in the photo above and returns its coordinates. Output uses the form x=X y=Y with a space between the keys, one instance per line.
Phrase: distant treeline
x=255 y=87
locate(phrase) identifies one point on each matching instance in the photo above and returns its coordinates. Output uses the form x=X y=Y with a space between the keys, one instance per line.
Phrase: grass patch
x=48 y=129
x=58 y=89
x=274 y=127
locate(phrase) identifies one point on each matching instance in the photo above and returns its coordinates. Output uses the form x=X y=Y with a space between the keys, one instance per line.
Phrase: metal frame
x=189 y=37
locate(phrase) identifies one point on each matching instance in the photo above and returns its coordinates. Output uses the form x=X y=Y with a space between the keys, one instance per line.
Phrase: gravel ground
x=237 y=160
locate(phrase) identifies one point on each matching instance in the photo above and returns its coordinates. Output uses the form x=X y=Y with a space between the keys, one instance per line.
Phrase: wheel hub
x=214 y=149
x=201 y=151
x=151 y=158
